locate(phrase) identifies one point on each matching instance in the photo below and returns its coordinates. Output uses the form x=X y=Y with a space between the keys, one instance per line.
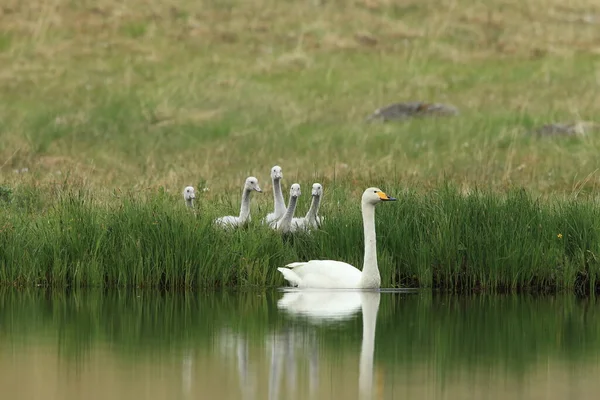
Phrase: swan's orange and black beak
x=385 y=197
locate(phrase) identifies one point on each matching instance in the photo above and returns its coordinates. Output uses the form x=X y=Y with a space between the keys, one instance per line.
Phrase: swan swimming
x=230 y=221
x=189 y=194
x=285 y=225
x=276 y=176
x=311 y=220
x=329 y=274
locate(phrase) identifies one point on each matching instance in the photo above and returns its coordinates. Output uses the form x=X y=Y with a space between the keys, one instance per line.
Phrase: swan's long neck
x=278 y=197
x=311 y=215
x=189 y=203
x=286 y=220
x=370 y=306
x=370 y=272
x=245 y=208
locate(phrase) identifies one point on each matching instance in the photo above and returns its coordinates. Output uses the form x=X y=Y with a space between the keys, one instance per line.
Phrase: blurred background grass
x=148 y=94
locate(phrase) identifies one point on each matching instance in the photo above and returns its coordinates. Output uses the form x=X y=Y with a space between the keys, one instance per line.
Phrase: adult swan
x=328 y=274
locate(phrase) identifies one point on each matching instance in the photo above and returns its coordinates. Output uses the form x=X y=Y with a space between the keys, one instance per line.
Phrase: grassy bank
x=443 y=239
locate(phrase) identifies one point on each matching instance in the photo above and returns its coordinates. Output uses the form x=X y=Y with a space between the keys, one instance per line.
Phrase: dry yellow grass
x=141 y=94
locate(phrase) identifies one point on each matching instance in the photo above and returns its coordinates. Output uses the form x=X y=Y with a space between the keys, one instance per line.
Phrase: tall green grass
x=443 y=239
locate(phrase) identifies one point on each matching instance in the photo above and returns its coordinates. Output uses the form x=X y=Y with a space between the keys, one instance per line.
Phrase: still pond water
x=294 y=345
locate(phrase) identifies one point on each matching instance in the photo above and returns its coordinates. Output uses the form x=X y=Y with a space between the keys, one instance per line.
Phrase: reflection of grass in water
x=512 y=331
x=472 y=331
x=443 y=239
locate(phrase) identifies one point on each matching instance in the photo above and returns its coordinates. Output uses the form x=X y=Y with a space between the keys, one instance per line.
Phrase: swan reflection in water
x=337 y=305
x=317 y=307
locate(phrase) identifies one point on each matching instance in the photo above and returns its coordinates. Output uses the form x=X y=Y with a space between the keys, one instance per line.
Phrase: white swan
x=250 y=185
x=284 y=224
x=276 y=176
x=328 y=274
x=189 y=194
x=312 y=219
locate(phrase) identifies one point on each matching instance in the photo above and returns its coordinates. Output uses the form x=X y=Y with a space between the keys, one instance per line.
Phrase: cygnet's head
x=317 y=190
x=375 y=195
x=295 y=190
x=276 y=172
x=252 y=184
x=189 y=193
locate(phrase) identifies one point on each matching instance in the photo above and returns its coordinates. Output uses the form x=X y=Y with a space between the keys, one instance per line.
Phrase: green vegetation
x=107 y=110
x=160 y=93
x=443 y=239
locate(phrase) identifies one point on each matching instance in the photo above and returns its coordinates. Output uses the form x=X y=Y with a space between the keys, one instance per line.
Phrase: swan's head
x=276 y=172
x=375 y=195
x=317 y=190
x=189 y=193
x=295 y=190
x=252 y=184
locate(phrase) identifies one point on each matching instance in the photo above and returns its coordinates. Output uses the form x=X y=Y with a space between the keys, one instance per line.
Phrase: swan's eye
x=374 y=191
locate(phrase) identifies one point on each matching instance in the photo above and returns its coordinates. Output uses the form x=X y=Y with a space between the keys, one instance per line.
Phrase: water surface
x=296 y=345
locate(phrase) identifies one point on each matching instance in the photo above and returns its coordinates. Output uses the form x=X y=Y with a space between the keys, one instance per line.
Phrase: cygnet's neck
x=370 y=272
x=278 y=196
x=286 y=221
x=311 y=215
x=245 y=207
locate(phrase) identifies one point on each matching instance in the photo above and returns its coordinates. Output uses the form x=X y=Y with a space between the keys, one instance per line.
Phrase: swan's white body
x=276 y=176
x=231 y=221
x=328 y=274
x=311 y=220
x=189 y=194
x=284 y=224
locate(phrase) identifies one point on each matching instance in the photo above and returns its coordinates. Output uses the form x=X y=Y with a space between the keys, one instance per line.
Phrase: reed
x=442 y=239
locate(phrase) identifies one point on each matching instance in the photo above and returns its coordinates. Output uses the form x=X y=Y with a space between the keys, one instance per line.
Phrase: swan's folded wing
x=326 y=273
x=295 y=264
x=299 y=222
x=271 y=219
x=304 y=224
x=290 y=276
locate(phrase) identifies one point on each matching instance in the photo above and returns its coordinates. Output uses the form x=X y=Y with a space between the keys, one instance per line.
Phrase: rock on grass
x=401 y=111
